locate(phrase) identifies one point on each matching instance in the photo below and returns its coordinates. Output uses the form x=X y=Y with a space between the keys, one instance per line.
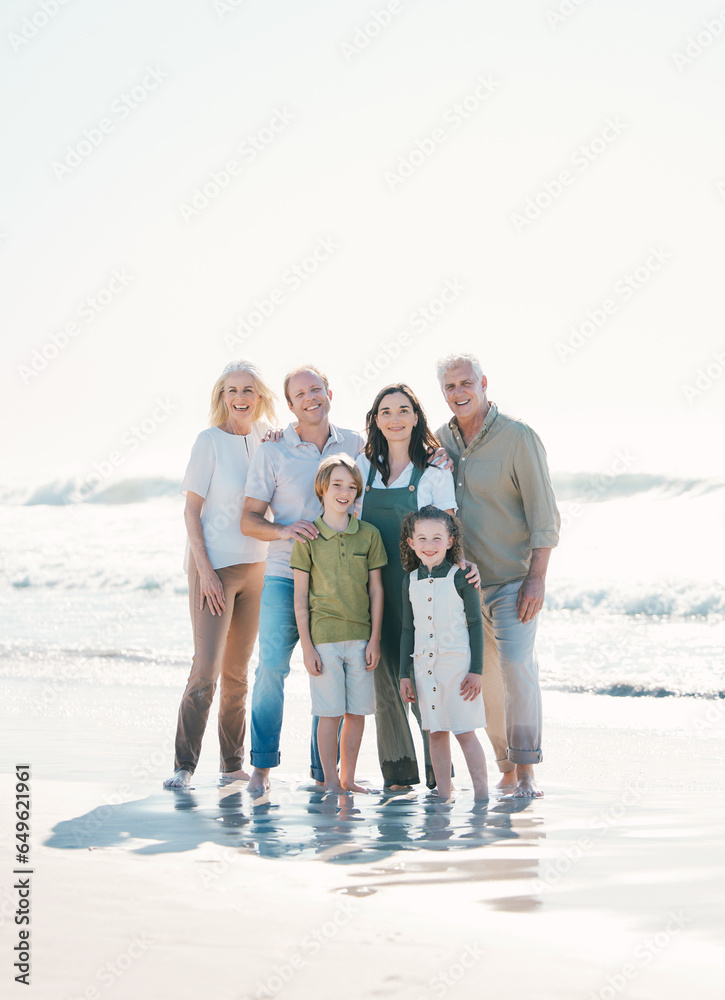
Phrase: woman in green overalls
x=399 y=478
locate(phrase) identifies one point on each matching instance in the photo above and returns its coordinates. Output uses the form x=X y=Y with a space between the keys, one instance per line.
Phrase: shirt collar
x=488 y=420
x=441 y=570
x=327 y=532
x=293 y=439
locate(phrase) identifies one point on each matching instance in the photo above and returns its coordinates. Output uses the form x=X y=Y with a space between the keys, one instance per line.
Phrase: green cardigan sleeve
x=407 y=635
x=474 y=619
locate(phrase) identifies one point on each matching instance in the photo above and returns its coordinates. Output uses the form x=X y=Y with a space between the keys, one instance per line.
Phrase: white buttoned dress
x=442 y=656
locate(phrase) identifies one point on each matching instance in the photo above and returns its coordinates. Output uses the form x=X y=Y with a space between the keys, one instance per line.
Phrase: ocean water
x=635 y=595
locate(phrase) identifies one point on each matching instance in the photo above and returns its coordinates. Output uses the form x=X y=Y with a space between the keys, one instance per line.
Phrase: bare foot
x=354 y=787
x=526 y=787
x=508 y=782
x=179 y=779
x=225 y=777
x=335 y=788
x=259 y=783
x=398 y=788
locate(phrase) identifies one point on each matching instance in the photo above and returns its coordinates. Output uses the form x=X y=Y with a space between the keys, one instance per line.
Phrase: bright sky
x=171 y=167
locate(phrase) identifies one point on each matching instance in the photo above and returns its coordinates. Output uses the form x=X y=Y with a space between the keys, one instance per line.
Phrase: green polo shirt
x=339 y=563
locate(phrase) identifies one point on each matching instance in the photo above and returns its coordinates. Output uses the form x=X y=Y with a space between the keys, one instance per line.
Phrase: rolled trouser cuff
x=525 y=756
x=264 y=760
x=317 y=773
x=504 y=765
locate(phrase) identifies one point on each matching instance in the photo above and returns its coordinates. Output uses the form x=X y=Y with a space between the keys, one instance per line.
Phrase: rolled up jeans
x=278 y=637
x=510 y=684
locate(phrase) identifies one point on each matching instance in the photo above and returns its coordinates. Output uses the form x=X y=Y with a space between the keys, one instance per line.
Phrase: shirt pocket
x=483 y=476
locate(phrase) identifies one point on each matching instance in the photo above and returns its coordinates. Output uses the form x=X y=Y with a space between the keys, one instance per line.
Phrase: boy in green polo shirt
x=339 y=611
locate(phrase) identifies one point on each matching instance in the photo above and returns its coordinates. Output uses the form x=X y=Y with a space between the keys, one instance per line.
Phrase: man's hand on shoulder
x=440 y=459
x=300 y=531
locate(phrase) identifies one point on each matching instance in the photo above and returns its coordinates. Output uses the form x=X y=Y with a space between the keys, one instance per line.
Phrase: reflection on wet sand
x=297 y=822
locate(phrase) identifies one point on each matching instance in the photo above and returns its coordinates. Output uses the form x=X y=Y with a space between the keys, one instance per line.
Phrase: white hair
x=453 y=360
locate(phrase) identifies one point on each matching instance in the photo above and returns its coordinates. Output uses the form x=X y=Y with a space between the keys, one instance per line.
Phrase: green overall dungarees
x=386 y=509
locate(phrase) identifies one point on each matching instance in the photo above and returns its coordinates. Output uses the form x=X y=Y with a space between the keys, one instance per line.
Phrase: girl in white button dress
x=436 y=624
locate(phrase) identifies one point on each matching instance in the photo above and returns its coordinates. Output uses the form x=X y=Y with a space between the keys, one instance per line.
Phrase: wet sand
x=611 y=884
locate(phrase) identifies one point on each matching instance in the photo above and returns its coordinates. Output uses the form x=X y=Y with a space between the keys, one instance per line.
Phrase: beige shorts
x=345 y=685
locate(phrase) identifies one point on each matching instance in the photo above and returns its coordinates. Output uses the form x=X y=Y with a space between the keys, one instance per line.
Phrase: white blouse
x=436 y=486
x=217 y=471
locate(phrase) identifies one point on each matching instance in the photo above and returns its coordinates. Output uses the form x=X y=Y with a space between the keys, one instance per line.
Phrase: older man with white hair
x=510 y=523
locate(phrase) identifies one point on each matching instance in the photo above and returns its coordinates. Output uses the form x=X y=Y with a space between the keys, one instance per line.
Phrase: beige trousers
x=223 y=645
x=510 y=683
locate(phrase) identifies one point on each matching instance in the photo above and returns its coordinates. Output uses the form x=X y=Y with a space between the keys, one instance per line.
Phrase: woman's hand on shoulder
x=274 y=434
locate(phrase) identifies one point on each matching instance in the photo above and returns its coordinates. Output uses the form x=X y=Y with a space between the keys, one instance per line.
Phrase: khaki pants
x=511 y=693
x=223 y=645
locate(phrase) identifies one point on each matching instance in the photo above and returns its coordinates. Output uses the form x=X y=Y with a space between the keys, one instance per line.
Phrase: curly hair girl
x=452 y=525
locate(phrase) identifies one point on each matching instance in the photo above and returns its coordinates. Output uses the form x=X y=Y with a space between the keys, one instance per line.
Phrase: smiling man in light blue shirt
x=281 y=480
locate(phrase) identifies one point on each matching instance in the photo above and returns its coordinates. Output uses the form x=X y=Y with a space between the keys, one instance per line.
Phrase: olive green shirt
x=505 y=498
x=339 y=563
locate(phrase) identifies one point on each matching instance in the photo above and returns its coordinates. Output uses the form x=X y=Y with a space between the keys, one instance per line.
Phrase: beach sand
x=612 y=884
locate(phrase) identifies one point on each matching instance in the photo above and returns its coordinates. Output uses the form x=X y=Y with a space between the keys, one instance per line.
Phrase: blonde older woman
x=225 y=568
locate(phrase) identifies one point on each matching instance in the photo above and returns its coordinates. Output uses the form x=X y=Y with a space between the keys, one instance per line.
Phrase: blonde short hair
x=325 y=469
x=265 y=406
x=300 y=371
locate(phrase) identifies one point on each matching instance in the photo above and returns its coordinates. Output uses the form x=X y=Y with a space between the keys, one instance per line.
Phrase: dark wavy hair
x=422 y=441
x=454 y=528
